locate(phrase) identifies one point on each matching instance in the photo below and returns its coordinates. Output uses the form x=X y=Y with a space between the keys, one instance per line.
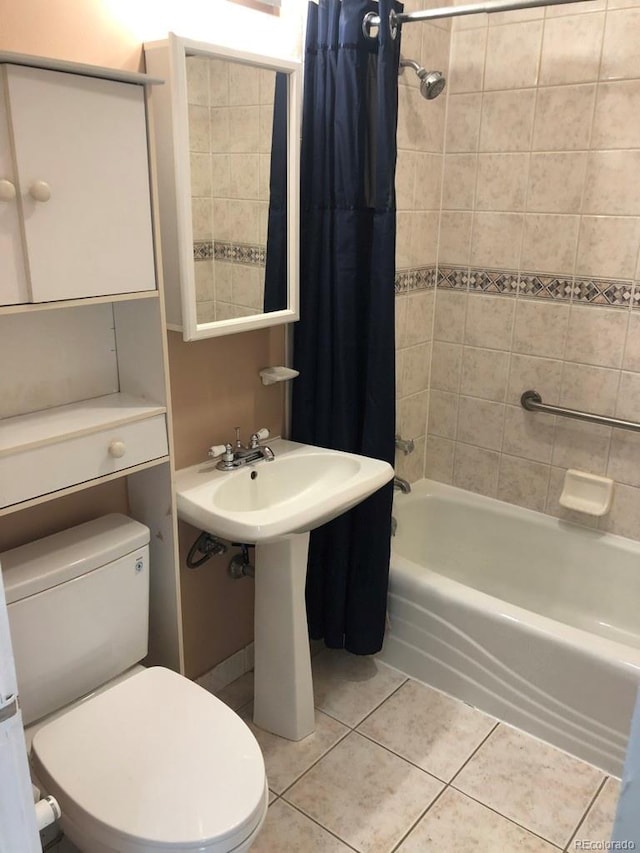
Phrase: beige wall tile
x=496 y=240
x=428 y=181
x=581 y=445
x=463 y=122
x=623 y=518
x=624 y=457
x=446 y=363
x=454 y=244
x=244 y=129
x=244 y=175
x=412 y=415
x=248 y=286
x=200 y=175
x=484 y=373
x=523 y=482
x=628 y=405
x=556 y=182
x=612 y=185
x=199 y=129
x=404 y=225
x=439 y=459
x=608 y=246
x=502 y=181
x=527 y=372
x=549 y=243
x=204 y=281
x=401 y=320
x=459 y=181
x=579 y=63
x=596 y=335
x=405 y=180
x=416 y=369
x=450 y=314
x=631 y=357
x=616 y=123
x=476 y=469
x=424 y=238
x=218 y=82
x=513 y=55
x=244 y=84
x=528 y=434
x=197 y=81
x=400 y=358
x=223 y=280
x=443 y=413
x=202 y=220
x=480 y=422
x=489 y=321
x=507 y=120
x=436 y=46
x=620 y=56
x=575 y=8
x=563 y=118
x=419 y=317
x=219 y=130
x=540 y=327
x=220 y=175
x=467 y=60
x=590 y=389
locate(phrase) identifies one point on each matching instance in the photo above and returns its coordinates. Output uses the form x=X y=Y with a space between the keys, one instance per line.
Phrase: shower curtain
x=344 y=397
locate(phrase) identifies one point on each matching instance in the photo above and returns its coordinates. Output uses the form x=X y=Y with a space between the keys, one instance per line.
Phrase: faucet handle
x=259 y=436
x=225 y=450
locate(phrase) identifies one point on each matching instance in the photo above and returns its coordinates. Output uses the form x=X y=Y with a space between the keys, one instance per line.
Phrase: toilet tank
x=78 y=605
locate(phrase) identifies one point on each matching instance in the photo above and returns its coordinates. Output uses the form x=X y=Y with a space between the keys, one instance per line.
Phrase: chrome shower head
x=431 y=82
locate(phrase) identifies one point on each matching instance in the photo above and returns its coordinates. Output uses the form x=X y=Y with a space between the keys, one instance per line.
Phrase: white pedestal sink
x=274 y=505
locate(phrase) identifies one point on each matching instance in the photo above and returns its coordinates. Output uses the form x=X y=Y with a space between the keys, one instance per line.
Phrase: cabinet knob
x=117 y=449
x=7 y=190
x=40 y=191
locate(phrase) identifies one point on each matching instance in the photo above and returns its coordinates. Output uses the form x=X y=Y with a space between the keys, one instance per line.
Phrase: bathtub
x=533 y=620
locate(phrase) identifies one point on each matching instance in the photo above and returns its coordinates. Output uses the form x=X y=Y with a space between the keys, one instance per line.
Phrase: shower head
x=431 y=82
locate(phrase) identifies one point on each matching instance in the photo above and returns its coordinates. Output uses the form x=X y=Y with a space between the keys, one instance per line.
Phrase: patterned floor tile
x=285 y=830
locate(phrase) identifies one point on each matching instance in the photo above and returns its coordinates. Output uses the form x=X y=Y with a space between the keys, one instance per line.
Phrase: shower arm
x=372 y=20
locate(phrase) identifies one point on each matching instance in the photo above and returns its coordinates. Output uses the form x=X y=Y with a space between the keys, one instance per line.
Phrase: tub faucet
x=403 y=485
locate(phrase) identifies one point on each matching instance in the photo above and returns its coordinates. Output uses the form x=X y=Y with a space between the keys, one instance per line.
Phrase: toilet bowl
x=146 y=763
x=154 y=763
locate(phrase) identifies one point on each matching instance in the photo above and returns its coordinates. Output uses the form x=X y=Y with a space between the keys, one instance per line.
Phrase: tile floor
x=397 y=766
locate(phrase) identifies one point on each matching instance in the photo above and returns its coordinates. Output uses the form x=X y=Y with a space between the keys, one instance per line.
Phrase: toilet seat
x=154 y=763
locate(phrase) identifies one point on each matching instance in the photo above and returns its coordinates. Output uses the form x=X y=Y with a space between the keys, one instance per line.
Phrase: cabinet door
x=81 y=154
x=13 y=282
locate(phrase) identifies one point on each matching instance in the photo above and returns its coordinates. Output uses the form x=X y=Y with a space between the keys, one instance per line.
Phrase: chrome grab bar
x=532 y=402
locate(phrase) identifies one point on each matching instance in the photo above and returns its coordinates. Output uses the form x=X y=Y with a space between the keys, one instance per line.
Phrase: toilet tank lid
x=63 y=556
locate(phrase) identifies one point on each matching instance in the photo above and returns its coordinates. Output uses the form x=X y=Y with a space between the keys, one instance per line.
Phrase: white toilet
x=148 y=761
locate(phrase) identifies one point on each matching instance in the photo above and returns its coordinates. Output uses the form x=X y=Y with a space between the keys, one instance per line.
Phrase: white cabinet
x=74 y=147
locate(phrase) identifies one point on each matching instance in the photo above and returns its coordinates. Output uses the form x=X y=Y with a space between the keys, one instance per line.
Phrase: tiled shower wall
x=418 y=190
x=230 y=125
x=538 y=256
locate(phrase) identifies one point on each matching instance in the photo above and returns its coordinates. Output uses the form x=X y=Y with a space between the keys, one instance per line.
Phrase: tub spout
x=403 y=485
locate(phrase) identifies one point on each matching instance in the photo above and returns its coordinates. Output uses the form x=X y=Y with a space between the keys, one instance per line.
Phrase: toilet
x=139 y=760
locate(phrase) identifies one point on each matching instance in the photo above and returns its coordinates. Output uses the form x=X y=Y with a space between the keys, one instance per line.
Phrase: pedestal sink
x=274 y=505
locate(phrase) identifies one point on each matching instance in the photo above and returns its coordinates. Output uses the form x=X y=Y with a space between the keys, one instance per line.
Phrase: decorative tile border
x=587 y=291
x=249 y=254
x=415 y=278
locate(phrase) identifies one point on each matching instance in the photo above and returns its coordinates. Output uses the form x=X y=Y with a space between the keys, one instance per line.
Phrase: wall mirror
x=226 y=139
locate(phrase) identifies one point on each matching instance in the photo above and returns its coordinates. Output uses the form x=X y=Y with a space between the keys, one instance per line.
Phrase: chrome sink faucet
x=235 y=456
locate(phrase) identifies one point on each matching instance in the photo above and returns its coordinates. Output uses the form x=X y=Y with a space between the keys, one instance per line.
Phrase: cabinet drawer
x=40 y=470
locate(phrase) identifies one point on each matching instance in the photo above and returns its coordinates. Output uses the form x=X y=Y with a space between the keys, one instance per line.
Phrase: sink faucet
x=234 y=457
x=403 y=485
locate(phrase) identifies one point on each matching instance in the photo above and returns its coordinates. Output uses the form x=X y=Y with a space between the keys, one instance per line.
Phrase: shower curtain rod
x=491 y=6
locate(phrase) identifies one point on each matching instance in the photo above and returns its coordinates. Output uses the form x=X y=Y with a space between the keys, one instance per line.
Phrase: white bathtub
x=531 y=619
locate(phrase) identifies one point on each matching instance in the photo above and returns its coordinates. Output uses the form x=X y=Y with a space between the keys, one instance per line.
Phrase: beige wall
x=215 y=384
x=538 y=255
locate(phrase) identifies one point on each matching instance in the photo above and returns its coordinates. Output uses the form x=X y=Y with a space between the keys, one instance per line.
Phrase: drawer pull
x=117 y=449
x=40 y=191
x=7 y=190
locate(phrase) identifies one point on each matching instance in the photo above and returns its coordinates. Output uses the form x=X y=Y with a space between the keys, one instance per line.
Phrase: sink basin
x=302 y=488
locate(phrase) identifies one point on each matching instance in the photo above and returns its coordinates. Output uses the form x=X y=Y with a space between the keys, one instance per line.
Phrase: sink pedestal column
x=283 y=701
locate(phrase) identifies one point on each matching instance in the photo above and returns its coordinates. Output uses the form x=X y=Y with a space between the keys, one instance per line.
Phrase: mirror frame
x=179 y=49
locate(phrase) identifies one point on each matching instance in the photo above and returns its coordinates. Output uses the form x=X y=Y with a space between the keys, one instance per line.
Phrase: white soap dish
x=587 y=493
x=271 y=375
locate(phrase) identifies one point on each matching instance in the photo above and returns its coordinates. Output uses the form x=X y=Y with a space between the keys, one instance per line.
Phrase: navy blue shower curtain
x=275 y=276
x=344 y=397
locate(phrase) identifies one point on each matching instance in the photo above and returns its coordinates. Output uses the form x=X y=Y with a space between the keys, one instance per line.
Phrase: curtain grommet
x=394 y=25
x=368 y=24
